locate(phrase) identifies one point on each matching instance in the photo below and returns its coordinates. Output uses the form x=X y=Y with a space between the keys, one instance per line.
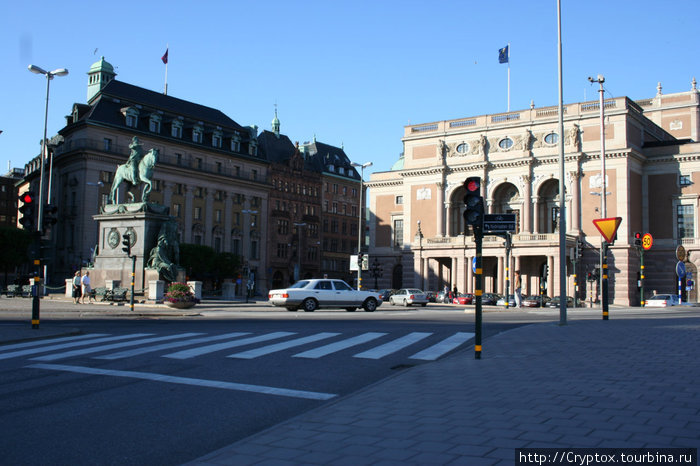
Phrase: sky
x=349 y=72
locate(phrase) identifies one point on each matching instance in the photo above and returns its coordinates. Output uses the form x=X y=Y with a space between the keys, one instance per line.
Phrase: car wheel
x=391 y=301
x=309 y=305
x=370 y=305
x=350 y=309
x=424 y=304
x=405 y=303
x=292 y=309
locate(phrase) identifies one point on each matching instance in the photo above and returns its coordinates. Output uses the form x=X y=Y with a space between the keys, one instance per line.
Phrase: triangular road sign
x=608 y=227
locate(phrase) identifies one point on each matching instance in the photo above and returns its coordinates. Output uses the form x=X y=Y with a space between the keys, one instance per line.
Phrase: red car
x=463 y=298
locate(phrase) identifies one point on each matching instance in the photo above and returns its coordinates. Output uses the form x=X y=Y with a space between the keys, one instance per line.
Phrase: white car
x=313 y=294
x=409 y=296
x=662 y=300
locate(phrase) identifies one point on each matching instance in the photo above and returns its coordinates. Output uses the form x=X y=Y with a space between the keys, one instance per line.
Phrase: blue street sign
x=680 y=270
x=474 y=264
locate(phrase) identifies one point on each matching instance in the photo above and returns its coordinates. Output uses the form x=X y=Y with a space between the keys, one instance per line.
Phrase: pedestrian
x=518 y=289
x=86 y=287
x=454 y=291
x=77 y=288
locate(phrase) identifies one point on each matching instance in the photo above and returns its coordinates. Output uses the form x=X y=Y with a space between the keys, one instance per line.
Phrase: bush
x=179 y=292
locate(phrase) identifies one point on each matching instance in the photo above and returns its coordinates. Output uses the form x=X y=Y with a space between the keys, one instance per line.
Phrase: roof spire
x=276 y=123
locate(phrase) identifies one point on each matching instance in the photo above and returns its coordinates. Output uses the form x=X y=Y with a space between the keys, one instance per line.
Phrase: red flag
x=165 y=57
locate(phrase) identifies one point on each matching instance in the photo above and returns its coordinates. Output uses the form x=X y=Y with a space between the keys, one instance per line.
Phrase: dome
x=101 y=65
x=398 y=165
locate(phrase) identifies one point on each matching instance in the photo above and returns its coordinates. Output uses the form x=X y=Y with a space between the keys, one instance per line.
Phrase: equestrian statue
x=137 y=169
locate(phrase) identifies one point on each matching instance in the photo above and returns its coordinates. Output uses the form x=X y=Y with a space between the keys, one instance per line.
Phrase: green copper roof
x=101 y=65
x=398 y=165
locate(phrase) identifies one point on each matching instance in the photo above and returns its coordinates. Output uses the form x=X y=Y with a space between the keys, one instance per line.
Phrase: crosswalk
x=246 y=345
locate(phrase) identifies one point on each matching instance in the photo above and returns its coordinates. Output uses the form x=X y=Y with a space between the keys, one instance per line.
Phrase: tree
x=16 y=255
x=203 y=263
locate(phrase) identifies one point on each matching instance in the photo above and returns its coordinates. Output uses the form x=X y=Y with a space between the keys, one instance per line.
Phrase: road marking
x=188 y=381
x=164 y=346
x=282 y=346
x=339 y=346
x=446 y=345
x=186 y=354
x=97 y=349
x=46 y=349
x=393 y=346
x=51 y=341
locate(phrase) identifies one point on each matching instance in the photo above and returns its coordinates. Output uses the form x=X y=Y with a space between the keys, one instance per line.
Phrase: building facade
x=652 y=171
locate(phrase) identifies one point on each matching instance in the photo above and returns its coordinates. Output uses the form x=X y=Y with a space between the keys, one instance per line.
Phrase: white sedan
x=313 y=294
x=662 y=300
x=408 y=297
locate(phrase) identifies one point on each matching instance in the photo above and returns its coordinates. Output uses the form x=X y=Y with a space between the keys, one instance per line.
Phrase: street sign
x=474 y=264
x=680 y=252
x=499 y=223
x=647 y=241
x=608 y=227
x=680 y=270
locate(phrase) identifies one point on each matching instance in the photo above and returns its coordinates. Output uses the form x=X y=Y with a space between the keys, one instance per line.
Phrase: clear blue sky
x=350 y=72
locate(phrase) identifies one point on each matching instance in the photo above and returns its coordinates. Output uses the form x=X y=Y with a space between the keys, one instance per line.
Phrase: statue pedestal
x=141 y=222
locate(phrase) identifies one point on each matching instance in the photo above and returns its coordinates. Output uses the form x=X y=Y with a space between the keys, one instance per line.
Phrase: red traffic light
x=27 y=198
x=472 y=186
x=637 y=235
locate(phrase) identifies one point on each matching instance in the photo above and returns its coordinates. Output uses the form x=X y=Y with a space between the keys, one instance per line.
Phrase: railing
x=505 y=117
x=548 y=112
x=424 y=128
x=459 y=124
x=592 y=106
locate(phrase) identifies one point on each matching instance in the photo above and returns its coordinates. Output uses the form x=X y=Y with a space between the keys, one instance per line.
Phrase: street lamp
x=419 y=235
x=297 y=274
x=377 y=271
x=246 y=270
x=359 y=226
x=49 y=76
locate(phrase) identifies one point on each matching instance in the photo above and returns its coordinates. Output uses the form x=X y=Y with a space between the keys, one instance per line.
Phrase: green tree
x=14 y=253
x=203 y=263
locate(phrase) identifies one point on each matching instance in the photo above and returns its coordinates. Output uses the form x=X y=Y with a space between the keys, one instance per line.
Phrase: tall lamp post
x=419 y=235
x=49 y=76
x=359 y=225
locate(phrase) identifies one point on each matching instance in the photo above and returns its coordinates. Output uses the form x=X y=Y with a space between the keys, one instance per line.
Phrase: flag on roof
x=503 y=54
x=165 y=57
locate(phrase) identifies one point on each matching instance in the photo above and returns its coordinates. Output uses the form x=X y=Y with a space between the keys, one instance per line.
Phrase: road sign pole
x=478 y=238
x=604 y=279
x=641 y=276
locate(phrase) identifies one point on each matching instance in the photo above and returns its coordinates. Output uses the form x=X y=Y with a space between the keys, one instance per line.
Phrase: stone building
x=652 y=181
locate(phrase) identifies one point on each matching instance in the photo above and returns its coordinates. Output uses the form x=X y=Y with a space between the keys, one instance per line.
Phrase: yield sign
x=608 y=227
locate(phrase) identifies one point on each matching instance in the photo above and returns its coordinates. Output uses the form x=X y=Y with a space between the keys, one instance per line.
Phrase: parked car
x=662 y=300
x=313 y=294
x=534 y=301
x=490 y=298
x=408 y=297
x=463 y=298
x=554 y=302
x=442 y=297
x=432 y=296
x=385 y=294
x=502 y=301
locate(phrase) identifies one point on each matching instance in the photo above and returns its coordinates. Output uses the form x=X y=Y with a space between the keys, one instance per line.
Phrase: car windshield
x=414 y=291
x=300 y=284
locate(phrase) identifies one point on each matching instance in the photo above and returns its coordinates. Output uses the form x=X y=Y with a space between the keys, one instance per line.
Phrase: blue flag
x=503 y=54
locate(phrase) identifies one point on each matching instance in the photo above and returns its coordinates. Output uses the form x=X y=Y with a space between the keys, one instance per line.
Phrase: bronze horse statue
x=145 y=173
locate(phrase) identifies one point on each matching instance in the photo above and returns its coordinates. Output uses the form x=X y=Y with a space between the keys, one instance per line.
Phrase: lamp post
x=419 y=235
x=359 y=225
x=49 y=76
x=247 y=272
x=297 y=275
x=377 y=271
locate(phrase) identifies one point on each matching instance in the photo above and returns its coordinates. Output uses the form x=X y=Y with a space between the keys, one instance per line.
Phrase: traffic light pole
x=478 y=239
x=36 y=288
x=133 y=275
x=604 y=279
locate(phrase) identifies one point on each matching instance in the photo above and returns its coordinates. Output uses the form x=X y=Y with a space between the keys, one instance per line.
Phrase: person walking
x=518 y=289
x=86 y=286
x=77 y=287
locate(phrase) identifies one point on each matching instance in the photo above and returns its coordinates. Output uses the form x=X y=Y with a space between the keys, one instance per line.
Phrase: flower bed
x=180 y=296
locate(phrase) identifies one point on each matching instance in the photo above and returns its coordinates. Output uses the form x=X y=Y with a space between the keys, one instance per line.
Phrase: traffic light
x=589 y=277
x=50 y=218
x=26 y=210
x=579 y=248
x=474 y=215
x=360 y=256
x=126 y=242
x=638 y=239
x=545 y=271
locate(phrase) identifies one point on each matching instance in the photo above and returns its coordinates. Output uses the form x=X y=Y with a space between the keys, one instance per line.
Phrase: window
x=505 y=143
x=197 y=134
x=685 y=221
x=154 y=123
x=685 y=180
x=178 y=188
x=176 y=210
x=178 y=158
x=107 y=144
x=216 y=139
x=176 y=129
x=398 y=232
x=283 y=227
x=217 y=215
x=254 y=175
x=236 y=246
x=551 y=138
x=282 y=250
x=200 y=163
x=399 y=199
x=197 y=213
x=132 y=117
x=236 y=143
x=463 y=148
x=254 y=249
x=219 y=167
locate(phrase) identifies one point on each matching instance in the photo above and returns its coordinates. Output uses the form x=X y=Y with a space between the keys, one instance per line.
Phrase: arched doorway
x=548 y=207
x=507 y=200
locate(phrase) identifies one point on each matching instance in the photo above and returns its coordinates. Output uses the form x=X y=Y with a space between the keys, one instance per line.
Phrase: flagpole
x=167 y=48
x=508 y=76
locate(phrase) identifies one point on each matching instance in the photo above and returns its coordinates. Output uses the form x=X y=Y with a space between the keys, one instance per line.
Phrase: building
x=652 y=181
x=8 y=197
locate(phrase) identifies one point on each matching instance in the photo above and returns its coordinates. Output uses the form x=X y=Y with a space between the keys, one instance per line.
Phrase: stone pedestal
x=228 y=291
x=196 y=288
x=69 y=288
x=141 y=222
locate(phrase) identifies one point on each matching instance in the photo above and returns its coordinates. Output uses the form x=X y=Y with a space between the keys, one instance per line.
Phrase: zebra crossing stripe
x=393 y=346
x=445 y=346
x=97 y=349
x=164 y=346
x=73 y=344
x=188 y=381
x=338 y=346
x=282 y=346
x=29 y=344
x=186 y=354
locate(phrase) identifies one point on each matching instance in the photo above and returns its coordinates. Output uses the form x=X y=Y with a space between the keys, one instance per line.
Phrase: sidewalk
x=591 y=383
